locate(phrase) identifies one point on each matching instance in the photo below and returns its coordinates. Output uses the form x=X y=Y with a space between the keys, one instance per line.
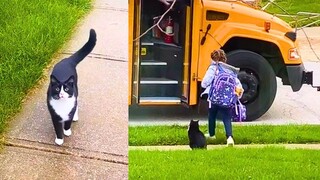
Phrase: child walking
x=219 y=58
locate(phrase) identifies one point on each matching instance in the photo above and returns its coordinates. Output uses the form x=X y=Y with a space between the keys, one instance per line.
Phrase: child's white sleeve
x=208 y=77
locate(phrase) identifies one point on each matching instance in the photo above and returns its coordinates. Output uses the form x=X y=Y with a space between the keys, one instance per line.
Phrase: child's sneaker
x=210 y=137
x=230 y=141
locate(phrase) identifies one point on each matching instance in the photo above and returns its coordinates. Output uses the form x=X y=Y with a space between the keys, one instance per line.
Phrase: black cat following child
x=197 y=140
x=62 y=95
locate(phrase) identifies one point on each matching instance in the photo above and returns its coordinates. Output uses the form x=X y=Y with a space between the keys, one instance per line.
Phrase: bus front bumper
x=298 y=76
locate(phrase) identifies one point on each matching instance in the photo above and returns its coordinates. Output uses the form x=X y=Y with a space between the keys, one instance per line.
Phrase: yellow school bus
x=167 y=62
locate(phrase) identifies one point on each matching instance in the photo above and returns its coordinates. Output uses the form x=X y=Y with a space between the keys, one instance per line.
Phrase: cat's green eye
x=66 y=89
x=57 y=89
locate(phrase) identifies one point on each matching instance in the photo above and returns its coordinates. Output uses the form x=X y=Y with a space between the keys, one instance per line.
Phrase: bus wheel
x=258 y=80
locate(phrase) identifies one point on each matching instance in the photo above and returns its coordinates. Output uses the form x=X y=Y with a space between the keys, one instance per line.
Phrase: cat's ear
x=53 y=79
x=70 y=80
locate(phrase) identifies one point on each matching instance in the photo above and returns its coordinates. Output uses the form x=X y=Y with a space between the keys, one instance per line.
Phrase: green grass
x=255 y=134
x=225 y=163
x=293 y=7
x=31 y=32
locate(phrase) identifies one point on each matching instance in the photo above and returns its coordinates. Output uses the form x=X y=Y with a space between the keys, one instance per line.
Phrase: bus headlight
x=294 y=54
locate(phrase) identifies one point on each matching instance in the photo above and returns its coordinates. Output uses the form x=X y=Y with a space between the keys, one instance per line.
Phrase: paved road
x=97 y=149
x=302 y=107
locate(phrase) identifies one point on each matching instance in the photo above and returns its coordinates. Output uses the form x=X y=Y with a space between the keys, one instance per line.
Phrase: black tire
x=258 y=79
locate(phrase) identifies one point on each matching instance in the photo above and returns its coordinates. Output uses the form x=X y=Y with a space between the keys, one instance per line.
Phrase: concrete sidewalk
x=98 y=147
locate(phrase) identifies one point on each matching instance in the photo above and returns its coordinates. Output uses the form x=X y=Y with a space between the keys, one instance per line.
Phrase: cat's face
x=62 y=90
x=194 y=125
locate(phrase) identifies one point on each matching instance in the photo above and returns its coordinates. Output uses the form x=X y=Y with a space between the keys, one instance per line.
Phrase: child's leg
x=212 y=120
x=226 y=118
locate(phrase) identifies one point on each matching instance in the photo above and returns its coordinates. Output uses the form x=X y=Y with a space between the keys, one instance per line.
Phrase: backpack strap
x=219 y=67
x=216 y=72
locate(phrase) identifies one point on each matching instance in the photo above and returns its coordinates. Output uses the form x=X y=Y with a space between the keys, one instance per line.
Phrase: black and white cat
x=197 y=139
x=62 y=92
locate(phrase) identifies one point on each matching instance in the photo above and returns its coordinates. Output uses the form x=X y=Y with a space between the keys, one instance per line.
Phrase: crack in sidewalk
x=67 y=150
x=111 y=8
x=100 y=56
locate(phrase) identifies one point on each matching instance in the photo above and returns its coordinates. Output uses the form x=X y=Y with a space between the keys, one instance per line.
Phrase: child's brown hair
x=219 y=55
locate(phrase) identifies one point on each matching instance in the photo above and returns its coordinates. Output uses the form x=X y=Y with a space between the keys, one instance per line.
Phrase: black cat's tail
x=85 y=50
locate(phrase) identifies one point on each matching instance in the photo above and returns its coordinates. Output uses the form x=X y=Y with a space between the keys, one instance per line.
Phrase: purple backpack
x=222 y=91
x=238 y=112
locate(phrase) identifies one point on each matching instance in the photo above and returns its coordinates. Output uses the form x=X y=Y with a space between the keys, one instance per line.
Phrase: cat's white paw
x=58 y=141
x=67 y=132
x=75 y=118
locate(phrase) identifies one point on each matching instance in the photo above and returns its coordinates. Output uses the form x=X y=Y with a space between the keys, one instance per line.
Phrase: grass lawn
x=31 y=32
x=243 y=134
x=293 y=7
x=225 y=163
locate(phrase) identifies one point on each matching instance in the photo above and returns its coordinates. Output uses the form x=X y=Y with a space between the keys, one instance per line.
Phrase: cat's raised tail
x=86 y=49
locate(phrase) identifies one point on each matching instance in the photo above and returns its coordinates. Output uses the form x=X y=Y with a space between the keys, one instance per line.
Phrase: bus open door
x=159 y=63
